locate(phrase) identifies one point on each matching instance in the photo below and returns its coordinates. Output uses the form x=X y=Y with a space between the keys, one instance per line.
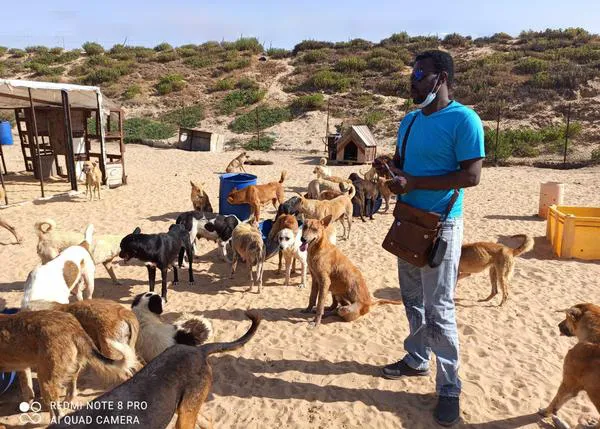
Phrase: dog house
x=194 y=139
x=62 y=125
x=356 y=146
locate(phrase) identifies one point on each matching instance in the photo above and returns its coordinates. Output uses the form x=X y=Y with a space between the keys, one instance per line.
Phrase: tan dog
x=500 y=259
x=237 y=163
x=316 y=186
x=385 y=192
x=340 y=208
x=5 y=224
x=93 y=178
x=248 y=244
x=332 y=271
x=106 y=322
x=323 y=163
x=581 y=368
x=200 y=199
x=58 y=348
x=51 y=241
x=256 y=195
x=321 y=173
x=370 y=175
x=329 y=194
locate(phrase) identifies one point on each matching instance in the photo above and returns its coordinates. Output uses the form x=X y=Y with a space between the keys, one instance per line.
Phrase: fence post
x=497 y=134
x=567 y=134
x=257 y=129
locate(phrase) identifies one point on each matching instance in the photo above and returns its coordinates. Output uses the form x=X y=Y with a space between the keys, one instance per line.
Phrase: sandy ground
x=290 y=375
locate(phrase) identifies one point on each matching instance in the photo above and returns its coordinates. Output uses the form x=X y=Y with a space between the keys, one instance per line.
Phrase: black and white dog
x=222 y=227
x=193 y=222
x=159 y=251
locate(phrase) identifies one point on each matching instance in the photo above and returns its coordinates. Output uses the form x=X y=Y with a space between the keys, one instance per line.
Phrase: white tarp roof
x=15 y=94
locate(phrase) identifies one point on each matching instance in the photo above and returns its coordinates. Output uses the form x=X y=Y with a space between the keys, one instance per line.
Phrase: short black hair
x=442 y=61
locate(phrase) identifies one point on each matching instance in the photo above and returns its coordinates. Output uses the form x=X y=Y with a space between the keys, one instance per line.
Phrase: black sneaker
x=400 y=369
x=447 y=411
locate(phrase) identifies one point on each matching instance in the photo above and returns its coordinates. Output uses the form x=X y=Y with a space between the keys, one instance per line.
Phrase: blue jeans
x=428 y=295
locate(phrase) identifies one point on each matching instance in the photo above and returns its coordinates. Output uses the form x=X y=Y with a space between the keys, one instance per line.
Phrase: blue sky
x=277 y=23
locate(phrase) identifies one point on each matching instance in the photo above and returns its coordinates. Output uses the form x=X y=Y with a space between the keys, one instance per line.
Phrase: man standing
x=444 y=152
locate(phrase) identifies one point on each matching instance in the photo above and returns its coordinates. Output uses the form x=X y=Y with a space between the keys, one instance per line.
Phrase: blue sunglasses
x=418 y=75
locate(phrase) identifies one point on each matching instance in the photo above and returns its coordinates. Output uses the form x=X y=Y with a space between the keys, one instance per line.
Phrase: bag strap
x=453 y=199
x=404 y=141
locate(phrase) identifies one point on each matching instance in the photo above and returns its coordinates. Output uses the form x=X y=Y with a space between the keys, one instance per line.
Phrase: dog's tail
x=283 y=176
x=526 y=246
x=323 y=161
x=44 y=226
x=193 y=330
x=352 y=191
x=114 y=370
x=386 y=301
x=234 y=345
x=87 y=240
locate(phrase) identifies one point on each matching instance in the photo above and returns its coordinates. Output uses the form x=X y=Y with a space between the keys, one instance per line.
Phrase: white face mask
x=430 y=97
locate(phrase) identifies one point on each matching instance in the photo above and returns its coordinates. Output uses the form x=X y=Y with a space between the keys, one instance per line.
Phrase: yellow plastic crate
x=574 y=232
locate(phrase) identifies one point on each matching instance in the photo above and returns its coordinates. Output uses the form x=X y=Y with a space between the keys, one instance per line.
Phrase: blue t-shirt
x=437 y=143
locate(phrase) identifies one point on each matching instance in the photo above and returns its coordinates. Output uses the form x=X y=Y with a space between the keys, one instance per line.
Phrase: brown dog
x=237 y=163
x=199 y=198
x=385 y=192
x=340 y=208
x=500 y=259
x=58 y=348
x=256 y=195
x=93 y=178
x=332 y=271
x=247 y=244
x=581 y=368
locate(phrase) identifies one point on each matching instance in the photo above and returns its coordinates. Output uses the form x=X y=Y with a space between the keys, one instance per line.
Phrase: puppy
x=256 y=195
x=184 y=378
x=156 y=336
x=106 y=322
x=57 y=279
x=366 y=194
x=581 y=368
x=93 y=178
x=51 y=241
x=55 y=344
x=200 y=200
x=220 y=229
x=247 y=243
x=316 y=186
x=159 y=251
x=500 y=259
x=385 y=192
x=332 y=271
x=237 y=163
x=340 y=208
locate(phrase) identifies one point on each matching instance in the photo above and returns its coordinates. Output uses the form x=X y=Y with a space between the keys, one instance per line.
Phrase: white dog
x=63 y=275
x=156 y=336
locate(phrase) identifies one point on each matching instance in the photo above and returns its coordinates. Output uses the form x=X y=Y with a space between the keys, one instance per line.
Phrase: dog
x=385 y=192
x=581 y=368
x=332 y=271
x=323 y=163
x=247 y=244
x=256 y=195
x=366 y=192
x=63 y=275
x=192 y=221
x=321 y=173
x=500 y=259
x=58 y=348
x=51 y=241
x=105 y=322
x=159 y=251
x=4 y=224
x=156 y=336
x=370 y=175
x=200 y=200
x=237 y=163
x=220 y=229
x=328 y=194
x=340 y=208
x=185 y=380
x=316 y=186
x=93 y=178
x=379 y=164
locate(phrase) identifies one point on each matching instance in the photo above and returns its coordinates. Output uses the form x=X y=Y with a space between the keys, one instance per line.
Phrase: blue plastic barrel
x=5 y=133
x=228 y=182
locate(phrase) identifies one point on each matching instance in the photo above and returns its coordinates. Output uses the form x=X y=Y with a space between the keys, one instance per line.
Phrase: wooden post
x=567 y=133
x=3 y=162
x=36 y=143
x=69 y=141
x=3 y=188
x=497 y=135
x=327 y=128
x=257 y=129
x=122 y=146
x=102 y=139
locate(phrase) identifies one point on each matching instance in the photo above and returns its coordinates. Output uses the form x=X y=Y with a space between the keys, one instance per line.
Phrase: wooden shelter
x=195 y=139
x=356 y=146
x=74 y=121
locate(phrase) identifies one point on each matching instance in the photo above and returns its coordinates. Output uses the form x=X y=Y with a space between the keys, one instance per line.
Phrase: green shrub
x=132 y=92
x=399 y=87
x=455 y=40
x=98 y=60
x=309 y=45
x=595 y=158
x=170 y=83
x=372 y=118
x=351 y=64
x=165 y=57
x=265 y=144
x=17 y=53
x=382 y=52
x=37 y=49
x=92 y=48
x=102 y=75
x=248 y=44
x=314 y=56
x=384 y=65
x=240 y=63
x=163 y=47
x=68 y=56
x=46 y=70
x=187 y=51
x=139 y=129
x=56 y=51
x=563 y=75
x=246 y=83
x=224 y=85
x=396 y=39
x=197 y=61
x=3 y=50
x=305 y=103
x=530 y=66
x=329 y=81
x=267 y=117
x=241 y=98
x=187 y=117
x=278 y=53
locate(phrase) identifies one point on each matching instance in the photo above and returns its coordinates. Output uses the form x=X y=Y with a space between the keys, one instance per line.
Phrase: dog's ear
x=155 y=304
x=326 y=221
x=137 y=230
x=574 y=313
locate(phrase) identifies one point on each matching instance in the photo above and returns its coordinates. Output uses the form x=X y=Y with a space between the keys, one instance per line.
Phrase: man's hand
x=402 y=183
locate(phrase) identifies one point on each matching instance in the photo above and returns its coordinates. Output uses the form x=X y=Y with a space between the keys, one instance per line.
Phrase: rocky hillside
x=236 y=87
